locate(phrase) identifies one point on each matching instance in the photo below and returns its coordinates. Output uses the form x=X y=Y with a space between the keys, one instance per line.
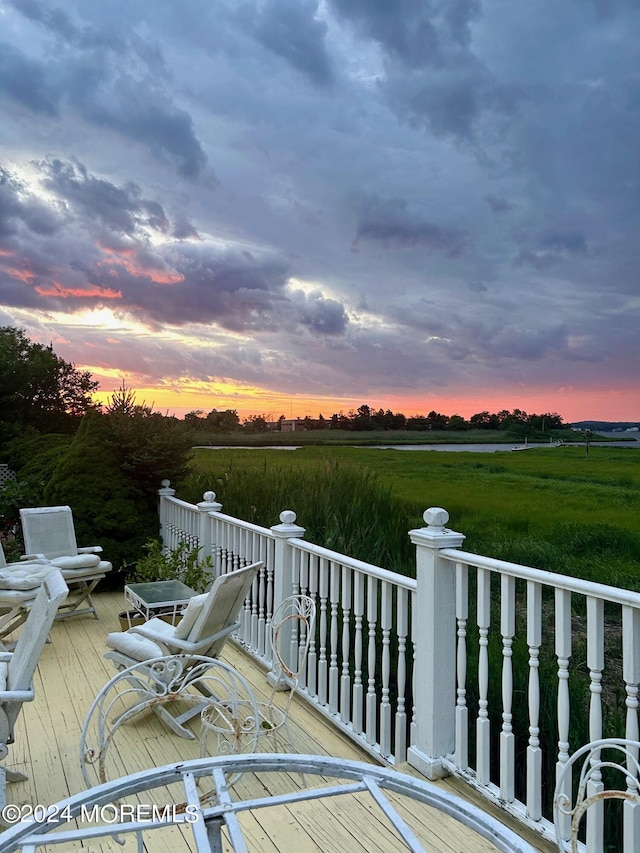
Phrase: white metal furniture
x=49 y=532
x=613 y=758
x=206 y=819
x=157 y=597
x=291 y=632
x=206 y=624
x=231 y=708
x=17 y=667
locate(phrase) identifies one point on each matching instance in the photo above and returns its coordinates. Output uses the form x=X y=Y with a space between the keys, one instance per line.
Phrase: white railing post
x=283 y=562
x=434 y=632
x=165 y=492
x=205 y=506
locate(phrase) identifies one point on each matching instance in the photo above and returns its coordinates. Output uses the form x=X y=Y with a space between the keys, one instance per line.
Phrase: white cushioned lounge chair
x=206 y=623
x=49 y=532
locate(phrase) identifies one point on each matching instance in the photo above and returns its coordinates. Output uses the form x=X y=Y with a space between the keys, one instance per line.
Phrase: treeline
x=367 y=419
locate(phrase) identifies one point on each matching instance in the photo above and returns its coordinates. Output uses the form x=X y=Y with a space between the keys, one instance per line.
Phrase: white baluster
x=595 y=662
x=534 y=752
x=402 y=629
x=333 y=659
x=385 y=706
x=312 y=656
x=462 y=711
x=323 y=578
x=507 y=738
x=261 y=611
x=483 y=725
x=371 y=700
x=563 y=654
x=631 y=676
x=358 y=688
x=345 y=678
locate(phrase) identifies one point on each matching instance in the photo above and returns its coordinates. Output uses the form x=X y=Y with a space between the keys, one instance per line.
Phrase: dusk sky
x=296 y=207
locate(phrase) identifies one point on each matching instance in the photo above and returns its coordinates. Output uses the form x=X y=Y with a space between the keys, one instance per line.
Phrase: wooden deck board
x=71 y=672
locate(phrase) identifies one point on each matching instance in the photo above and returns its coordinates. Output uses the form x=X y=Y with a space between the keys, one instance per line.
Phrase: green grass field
x=551 y=508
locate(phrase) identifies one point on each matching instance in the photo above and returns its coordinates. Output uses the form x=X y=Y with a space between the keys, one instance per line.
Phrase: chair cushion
x=78 y=561
x=27 y=577
x=133 y=645
x=184 y=626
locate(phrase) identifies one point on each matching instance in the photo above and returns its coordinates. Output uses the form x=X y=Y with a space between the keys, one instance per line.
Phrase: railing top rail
x=178 y=502
x=245 y=525
x=357 y=565
x=571 y=584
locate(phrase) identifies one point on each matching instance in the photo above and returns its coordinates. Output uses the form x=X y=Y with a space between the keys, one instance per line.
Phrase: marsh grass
x=551 y=509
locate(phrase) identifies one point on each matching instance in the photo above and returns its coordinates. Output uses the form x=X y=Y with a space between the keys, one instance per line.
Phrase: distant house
x=292 y=424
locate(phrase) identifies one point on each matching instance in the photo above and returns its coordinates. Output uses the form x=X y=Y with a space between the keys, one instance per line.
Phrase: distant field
x=377 y=437
x=551 y=507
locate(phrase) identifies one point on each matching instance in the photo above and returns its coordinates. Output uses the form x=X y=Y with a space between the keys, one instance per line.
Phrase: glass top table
x=157 y=597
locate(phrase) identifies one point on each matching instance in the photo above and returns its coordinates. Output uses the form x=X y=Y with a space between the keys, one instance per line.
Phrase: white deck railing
x=444 y=670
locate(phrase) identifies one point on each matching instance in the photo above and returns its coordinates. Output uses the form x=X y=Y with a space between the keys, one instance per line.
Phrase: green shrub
x=181 y=564
x=109 y=508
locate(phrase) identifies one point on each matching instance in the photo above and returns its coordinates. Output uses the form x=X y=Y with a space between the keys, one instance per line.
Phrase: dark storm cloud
x=499 y=204
x=564 y=241
x=416 y=32
x=391 y=224
x=321 y=315
x=433 y=79
x=120 y=209
x=552 y=247
x=18 y=206
x=26 y=81
x=148 y=117
x=112 y=81
x=292 y=31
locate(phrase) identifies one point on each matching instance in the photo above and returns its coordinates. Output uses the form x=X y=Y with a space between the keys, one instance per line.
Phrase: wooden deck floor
x=71 y=672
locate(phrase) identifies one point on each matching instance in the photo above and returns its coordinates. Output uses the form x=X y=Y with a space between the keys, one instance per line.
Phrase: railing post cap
x=435 y=534
x=288 y=526
x=436 y=516
x=209 y=503
x=166 y=488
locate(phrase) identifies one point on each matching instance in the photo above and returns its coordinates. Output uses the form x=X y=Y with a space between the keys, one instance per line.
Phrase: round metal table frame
x=207 y=823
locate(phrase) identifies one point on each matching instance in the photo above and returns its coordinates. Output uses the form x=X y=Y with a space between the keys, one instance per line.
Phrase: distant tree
x=361 y=420
x=122 y=402
x=437 y=421
x=485 y=420
x=457 y=422
x=417 y=423
x=38 y=388
x=255 y=423
x=195 y=420
x=225 y=421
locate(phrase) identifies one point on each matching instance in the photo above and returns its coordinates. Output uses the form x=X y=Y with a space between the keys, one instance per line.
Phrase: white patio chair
x=17 y=667
x=19 y=585
x=206 y=623
x=619 y=759
x=48 y=531
x=292 y=627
